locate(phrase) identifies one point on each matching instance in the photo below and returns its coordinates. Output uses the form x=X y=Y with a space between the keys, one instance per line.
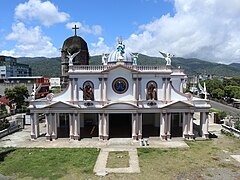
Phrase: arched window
x=88 y=90
x=151 y=90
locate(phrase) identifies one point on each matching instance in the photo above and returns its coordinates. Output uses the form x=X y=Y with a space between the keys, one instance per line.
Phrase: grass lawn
x=187 y=163
x=46 y=163
x=118 y=159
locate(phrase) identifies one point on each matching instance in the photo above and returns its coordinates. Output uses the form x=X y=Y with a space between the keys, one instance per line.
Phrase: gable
x=179 y=105
x=60 y=104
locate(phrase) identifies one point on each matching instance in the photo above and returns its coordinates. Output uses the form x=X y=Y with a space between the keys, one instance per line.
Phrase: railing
x=231 y=130
x=98 y=68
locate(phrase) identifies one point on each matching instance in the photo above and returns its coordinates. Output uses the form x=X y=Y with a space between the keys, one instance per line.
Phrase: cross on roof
x=75 y=29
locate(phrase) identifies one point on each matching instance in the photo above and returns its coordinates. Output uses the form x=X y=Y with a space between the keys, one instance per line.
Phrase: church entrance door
x=63 y=126
x=120 y=125
x=176 y=125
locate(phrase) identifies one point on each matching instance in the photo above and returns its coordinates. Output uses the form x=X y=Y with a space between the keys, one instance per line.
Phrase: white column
x=76 y=126
x=139 y=89
x=139 y=125
x=201 y=124
x=168 y=89
x=186 y=125
x=105 y=127
x=33 y=133
x=164 y=89
x=205 y=125
x=53 y=119
x=169 y=125
x=190 y=132
x=79 y=125
x=135 y=88
x=181 y=86
x=105 y=89
x=100 y=89
x=163 y=126
x=57 y=122
x=48 y=136
x=134 y=126
x=71 y=126
x=36 y=125
x=100 y=126
x=76 y=98
x=50 y=125
x=71 y=89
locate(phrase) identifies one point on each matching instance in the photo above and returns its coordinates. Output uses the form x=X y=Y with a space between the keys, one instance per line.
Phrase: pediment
x=178 y=104
x=60 y=104
x=120 y=106
x=121 y=67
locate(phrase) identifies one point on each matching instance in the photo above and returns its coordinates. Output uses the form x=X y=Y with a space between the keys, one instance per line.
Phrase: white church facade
x=118 y=99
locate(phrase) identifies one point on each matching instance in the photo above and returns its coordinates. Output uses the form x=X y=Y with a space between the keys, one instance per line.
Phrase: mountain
x=236 y=65
x=51 y=67
x=41 y=66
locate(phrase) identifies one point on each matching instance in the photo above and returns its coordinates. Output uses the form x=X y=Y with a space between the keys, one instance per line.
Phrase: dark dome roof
x=75 y=41
x=74 y=44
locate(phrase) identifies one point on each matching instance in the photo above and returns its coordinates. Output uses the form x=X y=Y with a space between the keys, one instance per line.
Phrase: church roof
x=75 y=41
x=74 y=44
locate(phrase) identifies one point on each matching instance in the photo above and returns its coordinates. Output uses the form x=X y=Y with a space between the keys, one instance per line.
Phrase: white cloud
x=30 y=42
x=83 y=28
x=206 y=29
x=99 y=48
x=45 y=12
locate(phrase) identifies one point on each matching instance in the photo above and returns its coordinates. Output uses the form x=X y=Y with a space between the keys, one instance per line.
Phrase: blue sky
x=206 y=29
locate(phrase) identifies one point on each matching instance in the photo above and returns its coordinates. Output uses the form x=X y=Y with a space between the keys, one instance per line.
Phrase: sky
x=203 y=29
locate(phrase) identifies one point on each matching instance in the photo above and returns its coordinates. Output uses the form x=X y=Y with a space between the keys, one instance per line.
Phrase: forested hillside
x=51 y=67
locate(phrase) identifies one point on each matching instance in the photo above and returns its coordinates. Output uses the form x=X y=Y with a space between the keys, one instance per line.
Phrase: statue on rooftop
x=120 y=49
x=167 y=57
x=71 y=57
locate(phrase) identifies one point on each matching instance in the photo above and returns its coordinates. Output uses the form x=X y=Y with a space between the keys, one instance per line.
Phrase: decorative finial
x=75 y=29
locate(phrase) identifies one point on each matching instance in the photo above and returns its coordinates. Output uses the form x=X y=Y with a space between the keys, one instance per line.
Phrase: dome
x=72 y=45
x=120 y=55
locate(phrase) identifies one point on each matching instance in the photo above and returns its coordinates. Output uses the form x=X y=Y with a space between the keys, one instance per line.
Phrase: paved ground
x=22 y=139
x=100 y=166
x=228 y=109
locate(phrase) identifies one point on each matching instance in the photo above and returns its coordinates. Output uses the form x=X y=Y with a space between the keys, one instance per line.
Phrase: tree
x=218 y=93
x=213 y=84
x=18 y=94
x=231 y=82
x=232 y=92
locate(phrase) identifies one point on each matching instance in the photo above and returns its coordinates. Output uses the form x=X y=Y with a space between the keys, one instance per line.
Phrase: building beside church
x=118 y=99
x=10 y=68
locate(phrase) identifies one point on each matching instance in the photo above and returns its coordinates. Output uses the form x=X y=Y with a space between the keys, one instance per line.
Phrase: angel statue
x=71 y=57
x=167 y=57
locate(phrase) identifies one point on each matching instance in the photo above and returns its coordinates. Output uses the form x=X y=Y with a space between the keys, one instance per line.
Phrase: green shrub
x=4 y=124
x=237 y=125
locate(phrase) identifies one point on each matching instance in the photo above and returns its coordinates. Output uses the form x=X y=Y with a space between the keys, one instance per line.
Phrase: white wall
x=116 y=73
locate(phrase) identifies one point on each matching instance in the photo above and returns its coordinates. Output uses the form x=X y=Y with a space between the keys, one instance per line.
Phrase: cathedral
x=118 y=99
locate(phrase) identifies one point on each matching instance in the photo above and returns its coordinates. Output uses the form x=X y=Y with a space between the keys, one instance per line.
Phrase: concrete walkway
x=101 y=163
